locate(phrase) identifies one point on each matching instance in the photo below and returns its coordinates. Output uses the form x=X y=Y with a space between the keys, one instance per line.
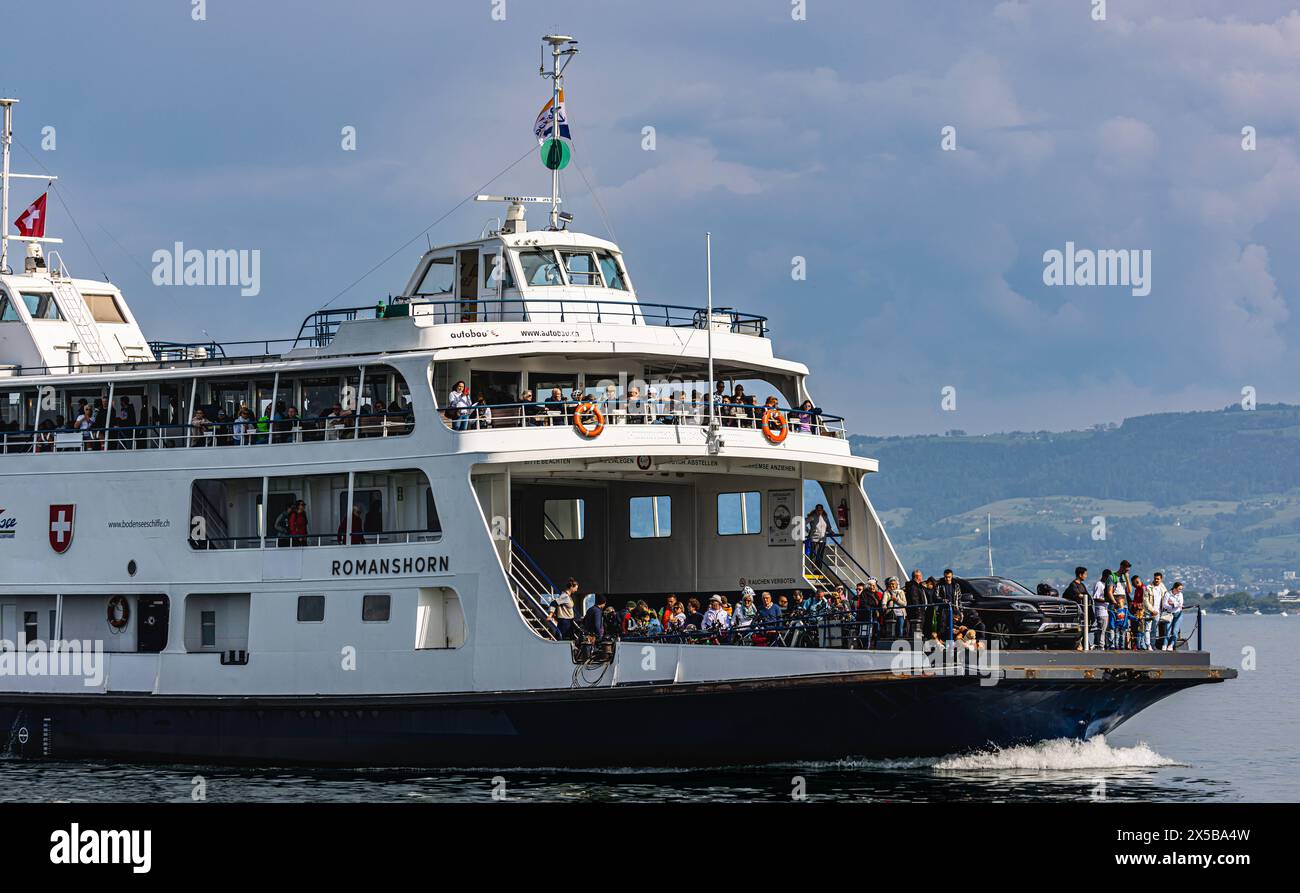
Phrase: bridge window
x=104 y=308
x=564 y=519
x=41 y=305
x=440 y=278
x=739 y=513
x=8 y=312
x=540 y=268
x=581 y=267
x=496 y=272
x=612 y=271
x=650 y=517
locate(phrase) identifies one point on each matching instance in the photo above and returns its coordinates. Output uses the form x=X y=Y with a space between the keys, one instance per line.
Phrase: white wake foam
x=1058 y=755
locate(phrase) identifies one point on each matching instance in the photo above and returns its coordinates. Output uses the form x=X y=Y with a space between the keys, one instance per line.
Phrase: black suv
x=1021 y=617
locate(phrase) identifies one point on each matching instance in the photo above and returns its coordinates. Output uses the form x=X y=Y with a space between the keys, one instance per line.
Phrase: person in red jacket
x=298 y=523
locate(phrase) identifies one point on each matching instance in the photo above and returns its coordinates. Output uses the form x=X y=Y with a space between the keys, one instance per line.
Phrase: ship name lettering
x=378 y=567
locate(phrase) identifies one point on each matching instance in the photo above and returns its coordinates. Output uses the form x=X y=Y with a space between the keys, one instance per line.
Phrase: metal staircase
x=531 y=587
x=73 y=307
x=816 y=576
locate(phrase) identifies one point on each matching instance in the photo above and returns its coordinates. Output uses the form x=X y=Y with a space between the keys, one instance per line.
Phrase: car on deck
x=1018 y=617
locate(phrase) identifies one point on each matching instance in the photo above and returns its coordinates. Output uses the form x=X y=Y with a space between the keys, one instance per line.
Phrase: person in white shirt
x=716 y=619
x=1171 y=607
x=459 y=401
x=1155 y=597
x=1100 y=609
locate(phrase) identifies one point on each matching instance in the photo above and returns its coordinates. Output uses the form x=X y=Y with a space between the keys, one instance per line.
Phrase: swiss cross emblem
x=61 y=527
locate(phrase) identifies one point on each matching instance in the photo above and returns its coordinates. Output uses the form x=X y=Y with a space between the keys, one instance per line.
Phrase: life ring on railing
x=588 y=412
x=775 y=426
x=119 y=612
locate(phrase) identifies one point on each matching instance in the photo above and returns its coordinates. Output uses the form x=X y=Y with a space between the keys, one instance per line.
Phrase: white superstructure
x=156 y=522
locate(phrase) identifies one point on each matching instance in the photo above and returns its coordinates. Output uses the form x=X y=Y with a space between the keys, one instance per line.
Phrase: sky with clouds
x=818 y=138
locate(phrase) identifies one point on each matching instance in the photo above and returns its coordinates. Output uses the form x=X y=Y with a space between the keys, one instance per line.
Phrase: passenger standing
x=298 y=523
x=1153 y=598
x=562 y=609
x=1101 y=609
x=1172 y=608
x=896 y=604
x=916 y=601
x=948 y=593
x=867 y=607
x=459 y=404
x=1077 y=592
x=1136 y=611
x=818 y=528
x=593 y=622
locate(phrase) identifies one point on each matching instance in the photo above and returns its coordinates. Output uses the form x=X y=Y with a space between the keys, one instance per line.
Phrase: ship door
x=467 y=284
x=151 y=624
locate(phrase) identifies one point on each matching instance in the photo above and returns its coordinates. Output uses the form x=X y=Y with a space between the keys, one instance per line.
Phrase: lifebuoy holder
x=775 y=426
x=119 y=612
x=588 y=413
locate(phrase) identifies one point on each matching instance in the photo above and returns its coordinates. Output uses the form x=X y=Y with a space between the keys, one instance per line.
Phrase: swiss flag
x=32 y=221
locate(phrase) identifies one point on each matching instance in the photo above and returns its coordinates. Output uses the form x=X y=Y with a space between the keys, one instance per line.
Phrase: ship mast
x=556 y=74
x=6 y=138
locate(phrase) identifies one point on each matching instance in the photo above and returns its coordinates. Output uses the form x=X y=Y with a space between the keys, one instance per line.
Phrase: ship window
x=613 y=273
x=650 y=517
x=208 y=629
x=311 y=608
x=431 y=521
x=439 y=278
x=540 y=268
x=8 y=312
x=495 y=270
x=41 y=305
x=375 y=608
x=103 y=308
x=581 y=267
x=31 y=631
x=739 y=513
x=368 y=505
x=563 y=519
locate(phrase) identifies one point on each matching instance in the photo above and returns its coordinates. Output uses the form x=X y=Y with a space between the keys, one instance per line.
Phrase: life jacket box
x=394 y=310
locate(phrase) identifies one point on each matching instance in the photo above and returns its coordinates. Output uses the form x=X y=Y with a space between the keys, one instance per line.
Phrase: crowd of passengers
x=1127 y=613
x=734 y=410
x=123 y=428
x=931 y=608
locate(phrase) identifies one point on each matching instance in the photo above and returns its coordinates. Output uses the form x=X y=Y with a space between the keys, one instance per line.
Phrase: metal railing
x=207 y=433
x=482 y=417
x=319 y=328
x=530 y=585
x=276 y=540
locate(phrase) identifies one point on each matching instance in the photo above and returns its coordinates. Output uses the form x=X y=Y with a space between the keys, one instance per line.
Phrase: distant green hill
x=1211 y=497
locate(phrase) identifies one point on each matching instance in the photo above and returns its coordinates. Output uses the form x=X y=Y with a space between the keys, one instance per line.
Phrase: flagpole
x=6 y=138
x=555 y=133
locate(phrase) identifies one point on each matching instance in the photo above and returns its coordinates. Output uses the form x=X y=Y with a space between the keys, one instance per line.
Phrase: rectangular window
x=103 y=308
x=540 y=268
x=31 y=629
x=375 y=608
x=496 y=273
x=739 y=513
x=208 y=628
x=41 y=305
x=613 y=272
x=311 y=609
x=563 y=519
x=431 y=520
x=581 y=267
x=54 y=624
x=439 y=279
x=650 y=516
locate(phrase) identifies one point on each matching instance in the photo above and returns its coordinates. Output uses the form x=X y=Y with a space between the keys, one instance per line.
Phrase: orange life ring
x=119 y=612
x=590 y=411
x=775 y=426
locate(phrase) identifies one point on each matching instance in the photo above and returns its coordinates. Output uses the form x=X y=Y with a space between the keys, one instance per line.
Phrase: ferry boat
x=194 y=528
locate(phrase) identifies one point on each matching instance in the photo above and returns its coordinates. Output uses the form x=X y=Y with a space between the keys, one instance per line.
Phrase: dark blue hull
x=792 y=719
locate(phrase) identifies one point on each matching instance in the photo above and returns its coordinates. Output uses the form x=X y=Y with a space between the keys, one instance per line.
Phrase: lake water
x=1230 y=742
